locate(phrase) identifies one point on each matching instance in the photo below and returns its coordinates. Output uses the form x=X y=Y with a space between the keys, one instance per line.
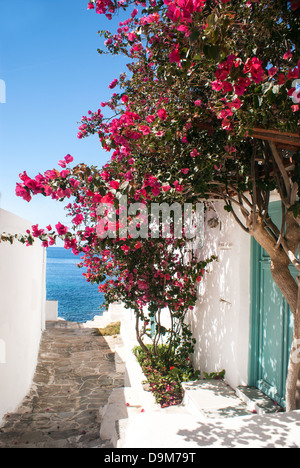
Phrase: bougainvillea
x=202 y=76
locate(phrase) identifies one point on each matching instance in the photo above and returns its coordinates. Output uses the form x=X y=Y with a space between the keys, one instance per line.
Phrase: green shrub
x=109 y=330
x=165 y=380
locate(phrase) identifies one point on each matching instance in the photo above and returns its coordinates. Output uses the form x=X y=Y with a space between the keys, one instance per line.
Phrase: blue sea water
x=78 y=300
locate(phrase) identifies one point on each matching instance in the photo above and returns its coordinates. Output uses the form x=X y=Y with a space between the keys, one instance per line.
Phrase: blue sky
x=53 y=75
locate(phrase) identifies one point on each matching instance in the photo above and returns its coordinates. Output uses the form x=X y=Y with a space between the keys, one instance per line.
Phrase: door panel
x=272 y=325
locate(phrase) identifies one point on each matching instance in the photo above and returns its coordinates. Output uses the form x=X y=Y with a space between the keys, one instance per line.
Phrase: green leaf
x=211 y=51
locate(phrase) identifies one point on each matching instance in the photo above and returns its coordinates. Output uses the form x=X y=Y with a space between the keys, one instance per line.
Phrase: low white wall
x=220 y=321
x=52 y=311
x=22 y=312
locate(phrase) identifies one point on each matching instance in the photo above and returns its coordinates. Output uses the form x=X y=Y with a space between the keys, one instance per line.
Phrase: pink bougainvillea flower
x=174 y=56
x=125 y=249
x=22 y=192
x=239 y=90
x=198 y=102
x=155 y=191
x=64 y=173
x=61 y=229
x=236 y=103
x=194 y=153
x=291 y=91
x=254 y=67
x=78 y=219
x=288 y=55
x=272 y=71
x=36 y=232
x=115 y=184
x=185 y=171
x=217 y=85
x=178 y=187
x=150 y=118
x=62 y=164
x=69 y=158
x=113 y=84
x=166 y=188
x=162 y=114
x=227 y=88
x=281 y=79
x=145 y=129
x=293 y=74
x=185 y=29
x=132 y=37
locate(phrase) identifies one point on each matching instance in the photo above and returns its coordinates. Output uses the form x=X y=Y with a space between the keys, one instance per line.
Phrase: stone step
x=213 y=399
x=257 y=401
x=123 y=404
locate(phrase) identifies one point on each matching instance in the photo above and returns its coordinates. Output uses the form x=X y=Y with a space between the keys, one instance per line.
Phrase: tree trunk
x=138 y=335
x=292 y=389
x=291 y=292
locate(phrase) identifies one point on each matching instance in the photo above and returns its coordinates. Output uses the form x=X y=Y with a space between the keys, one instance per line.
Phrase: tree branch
x=282 y=170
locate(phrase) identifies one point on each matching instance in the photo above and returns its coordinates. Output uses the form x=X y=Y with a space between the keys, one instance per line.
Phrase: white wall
x=22 y=312
x=52 y=310
x=220 y=322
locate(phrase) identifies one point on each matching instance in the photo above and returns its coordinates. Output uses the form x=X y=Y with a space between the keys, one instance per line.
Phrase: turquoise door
x=271 y=325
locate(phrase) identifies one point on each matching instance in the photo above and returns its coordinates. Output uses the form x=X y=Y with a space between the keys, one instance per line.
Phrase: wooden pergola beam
x=281 y=140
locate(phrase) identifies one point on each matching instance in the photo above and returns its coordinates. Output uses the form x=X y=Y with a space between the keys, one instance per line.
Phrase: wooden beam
x=282 y=140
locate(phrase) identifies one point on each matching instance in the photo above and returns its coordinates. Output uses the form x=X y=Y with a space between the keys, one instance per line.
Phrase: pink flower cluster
x=252 y=72
x=182 y=10
x=41 y=183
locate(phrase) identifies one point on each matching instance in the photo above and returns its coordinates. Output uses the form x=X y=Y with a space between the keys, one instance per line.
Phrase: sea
x=78 y=300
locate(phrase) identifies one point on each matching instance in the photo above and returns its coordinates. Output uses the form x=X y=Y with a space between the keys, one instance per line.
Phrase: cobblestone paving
x=74 y=378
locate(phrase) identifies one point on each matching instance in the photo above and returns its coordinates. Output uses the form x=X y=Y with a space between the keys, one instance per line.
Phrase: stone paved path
x=74 y=378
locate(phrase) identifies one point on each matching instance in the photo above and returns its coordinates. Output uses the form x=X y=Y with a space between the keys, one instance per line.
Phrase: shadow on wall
x=220 y=322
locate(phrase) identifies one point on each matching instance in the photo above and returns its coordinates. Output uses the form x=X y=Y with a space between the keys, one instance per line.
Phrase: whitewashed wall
x=220 y=321
x=22 y=312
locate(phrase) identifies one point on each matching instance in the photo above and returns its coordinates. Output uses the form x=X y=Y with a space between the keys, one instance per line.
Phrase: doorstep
x=213 y=399
x=257 y=400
